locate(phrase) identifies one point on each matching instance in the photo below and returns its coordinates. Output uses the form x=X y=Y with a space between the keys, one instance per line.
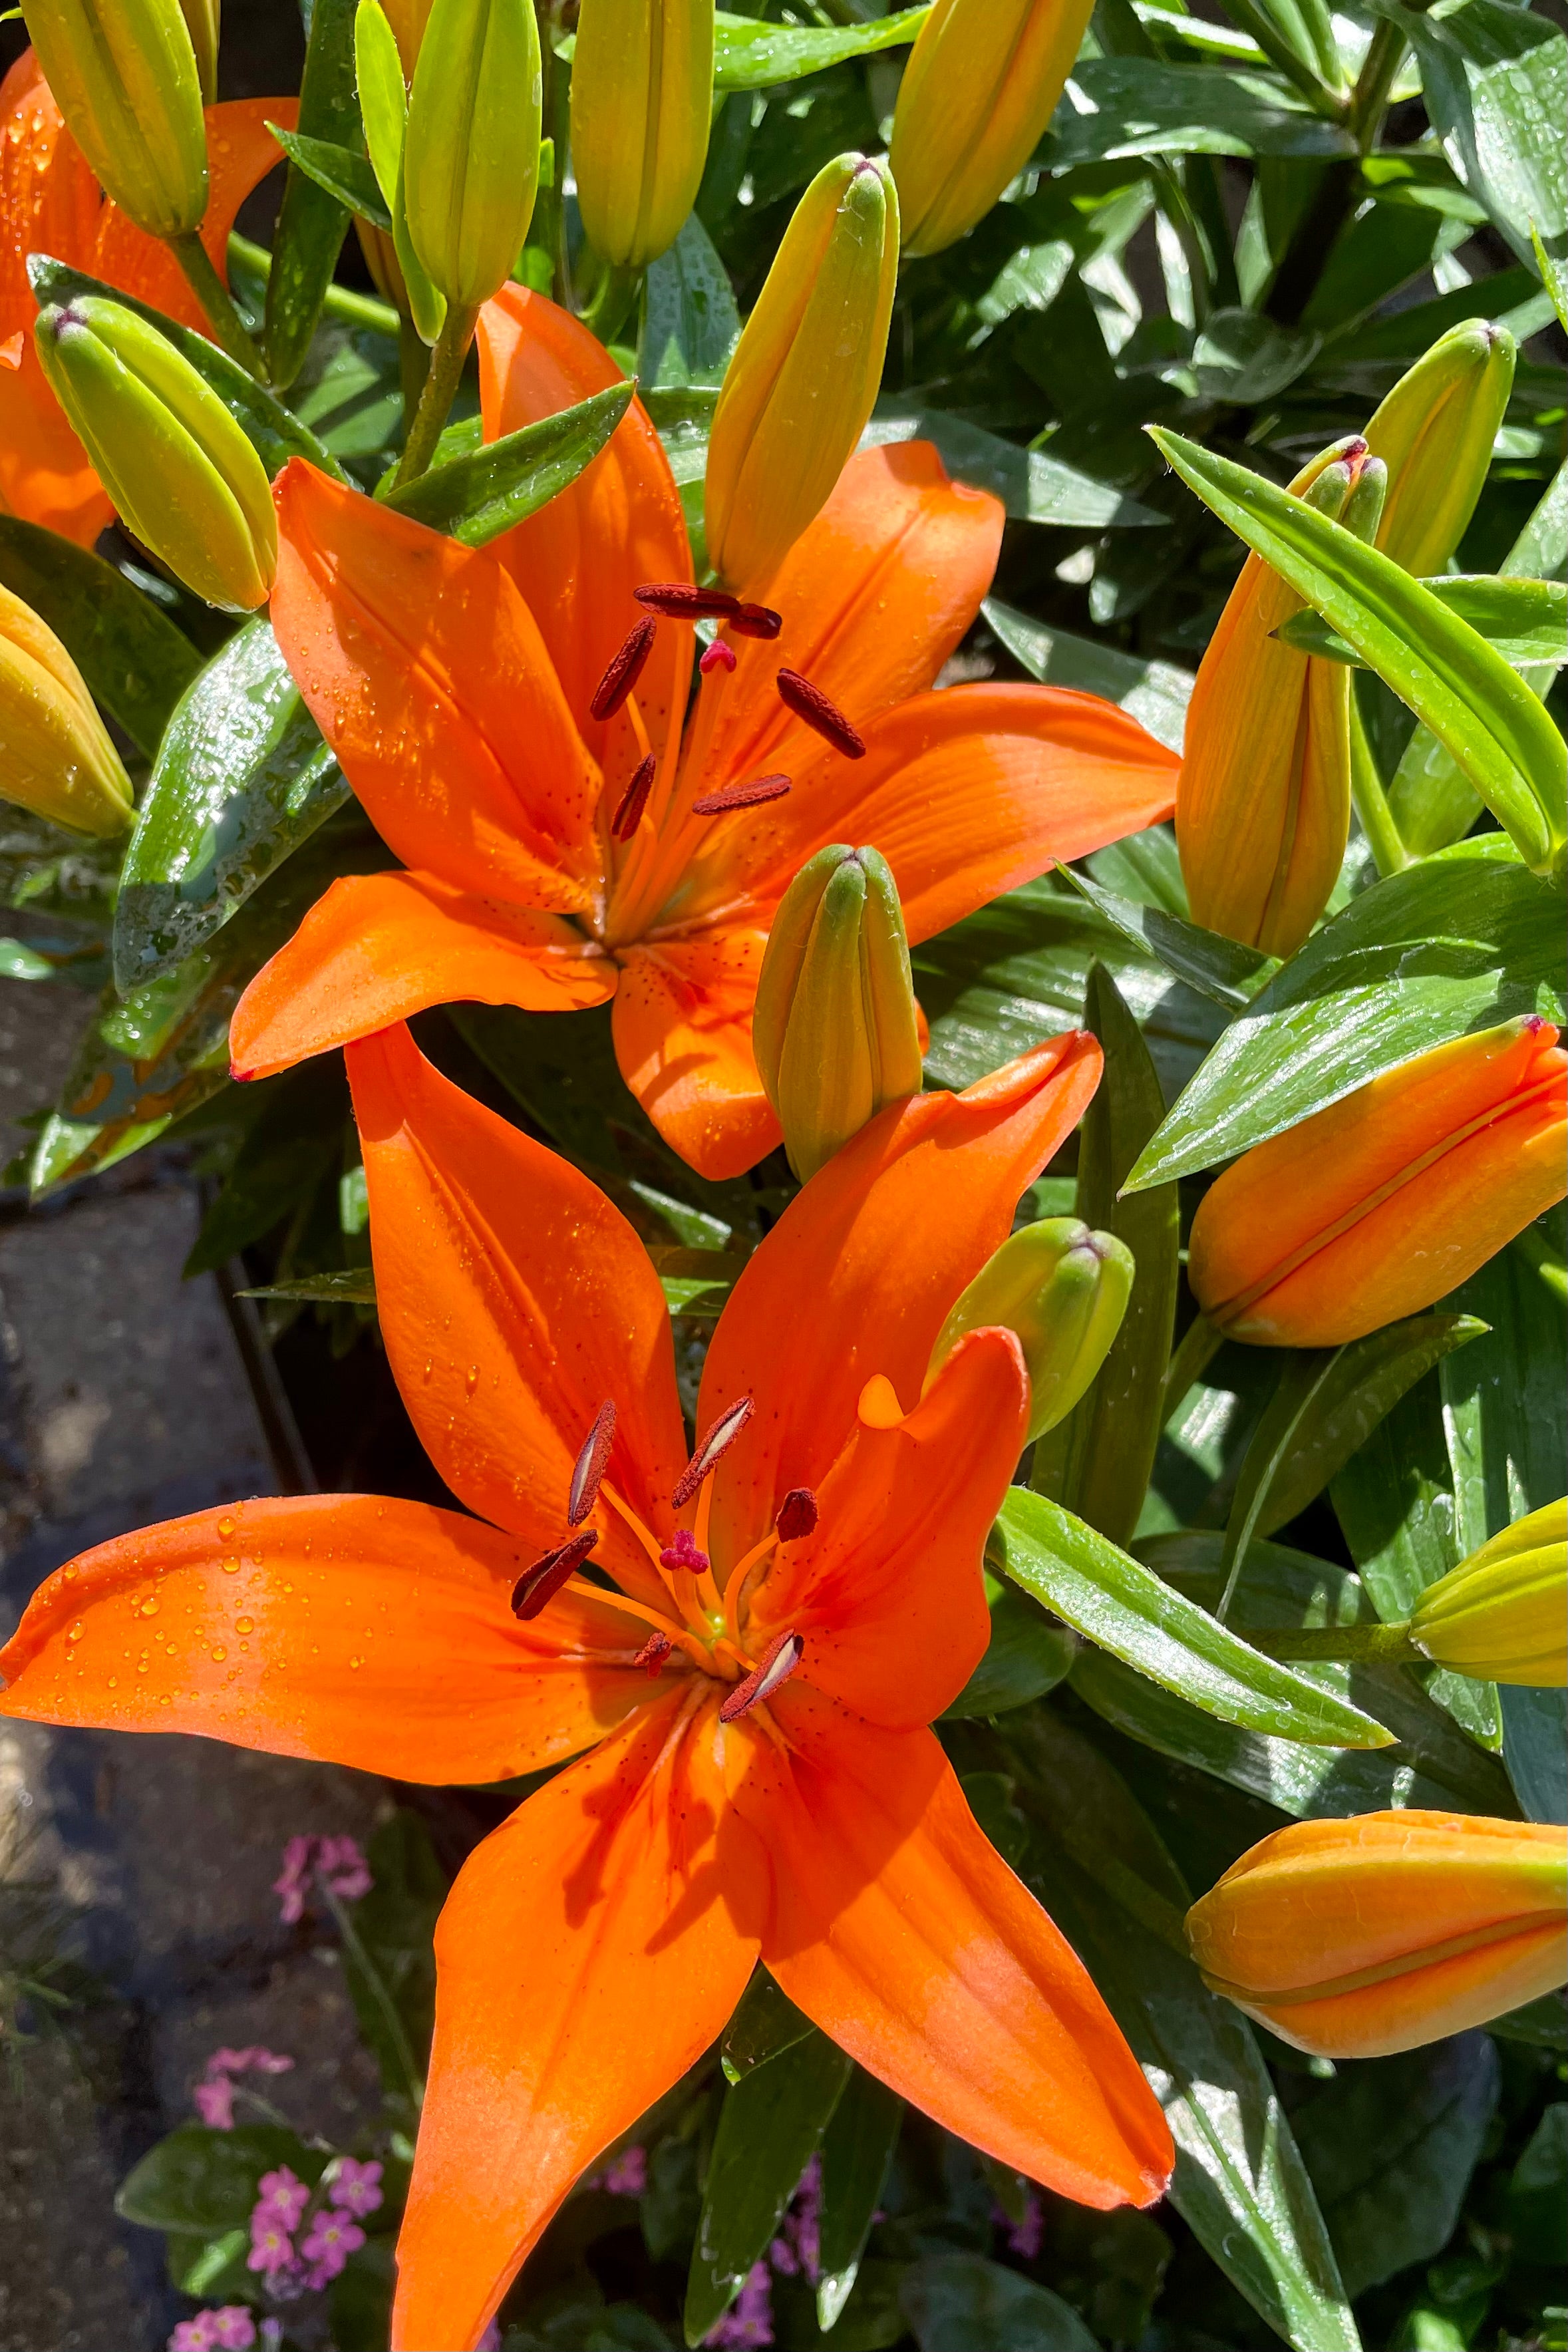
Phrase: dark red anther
x=722 y=1433
x=634 y=800
x=681 y=1551
x=652 y=1654
x=750 y=794
x=591 y=1464
x=544 y=1579
x=718 y=656
x=808 y=702
x=626 y=668
x=797 y=1515
x=778 y=1663
x=676 y=601
x=756 y=621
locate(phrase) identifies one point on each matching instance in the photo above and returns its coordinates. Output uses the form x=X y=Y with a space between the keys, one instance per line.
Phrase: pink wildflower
x=491 y=2339
x=234 y=2329
x=214 y=2097
x=1024 y=2236
x=343 y=1868
x=271 y=2247
x=294 y=1883
x=194 y=2335
x=215 y=2103
x=331 y=2240
x=628 y=2176
x=355 y=2187
x=750 y=2321
x=337 y=1863
x=284 y=2197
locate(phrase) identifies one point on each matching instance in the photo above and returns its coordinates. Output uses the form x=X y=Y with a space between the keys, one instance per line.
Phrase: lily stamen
x=591 y=1464
x=737 y=796
x=779 y=1662
x=654 y=1651
x=756 y=621
x=676 y=600
x=626 y=668
x=540 y=1583
x=797 y=1515
x=821 y=713
x=634 y=800
x=720 y=1436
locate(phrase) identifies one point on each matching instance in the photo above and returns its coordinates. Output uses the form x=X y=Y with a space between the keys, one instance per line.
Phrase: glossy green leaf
x=475 y=497
x=751 y=54
x=1451 y=677
x=1524 y=621
x=1032 y=485
x=1554 y=270
x=1155 y=693
x=338 y=174
x=1459 y=943
x=353 y=1285
x=1148 y=106
x=137 y=663
x=690 y=322
x=1115 y=1602
x=1223 y=970
x=1026 y=1656
x=312 y=218
x=243 y=778
x=204 y=2181
x=765 y=2024
x=696 y=1281
x=857 y=2151
x=954 y=2303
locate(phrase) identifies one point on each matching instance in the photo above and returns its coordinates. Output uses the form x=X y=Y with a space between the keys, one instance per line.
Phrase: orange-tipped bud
x=1373 y=1208
x=1356 y=1938
x=1263 y=800
x=1502 y=1615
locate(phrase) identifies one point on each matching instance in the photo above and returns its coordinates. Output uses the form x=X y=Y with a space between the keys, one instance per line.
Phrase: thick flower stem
x=217 y=303
x=1376 y=818
x=440 y=390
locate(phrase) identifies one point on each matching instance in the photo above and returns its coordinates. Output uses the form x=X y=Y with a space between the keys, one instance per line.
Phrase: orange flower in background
x=50 y=203
x=1386 y=1200
x=794 y=1606
x=1356 y=1938
x=558 y=858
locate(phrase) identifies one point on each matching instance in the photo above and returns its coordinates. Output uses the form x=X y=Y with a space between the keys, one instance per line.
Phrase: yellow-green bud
x=802 y=378
x=1435 y=433
x=124 y=75
x=471 y=157
x=642 y=99
x=981 y=85
x=1502 y=1615
x=202 y=22
x=181 y=474
x=835 y=1031
x=1063 y=1290
x=56 y=757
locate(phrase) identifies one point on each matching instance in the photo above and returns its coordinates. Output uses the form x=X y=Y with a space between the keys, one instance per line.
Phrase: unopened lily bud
x=835 y=1031
x=181 y=474
x=641 y=100
x=1356 y=1938
x=1502 y=1615
x=124 y=75
x=1435 y=433
x=202 y=22
x=1381 y=1204
x=56 y=757
x=981 y=85
x=1063 y=1290
x=801 y=380
x=1262 y=807
x=471 y=157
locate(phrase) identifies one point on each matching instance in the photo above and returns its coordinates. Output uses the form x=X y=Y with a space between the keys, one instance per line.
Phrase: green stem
x=1351 y=1644
x=216 y=301
x=611 y=299
x=1198 y=1344
x=1371 y=799
x=440 y=390
x=1369 y=99
x=343 y=302
x=376 y=1985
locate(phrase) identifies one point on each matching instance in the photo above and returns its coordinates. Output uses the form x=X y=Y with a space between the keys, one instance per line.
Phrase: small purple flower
x=343 y=1868
x=215 y=2097
x=337 y=1861
x=271 y=2247
x=326 y=2246
x=294 y=1883
x=750 y=2321
x=803 y=2222
x=194 y=2335
x=282 y=2199
x=355 y=2187
x=215 y=2103
x=1024 y=2238
x=234 y=2329
x=628 y=2176
x=491 y=2339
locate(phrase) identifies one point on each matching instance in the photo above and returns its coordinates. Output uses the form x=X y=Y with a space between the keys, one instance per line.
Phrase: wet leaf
x=310 y=220
x=1155 y=693
x=137 y=663
x=477 y=496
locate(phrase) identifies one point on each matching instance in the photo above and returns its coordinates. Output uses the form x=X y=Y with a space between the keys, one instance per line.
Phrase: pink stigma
x=718 y=655
x=682 y=1553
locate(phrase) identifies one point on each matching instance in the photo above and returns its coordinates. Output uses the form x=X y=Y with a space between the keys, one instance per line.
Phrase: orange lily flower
x=557 y=858
x=50 y=203
x=794 y=1606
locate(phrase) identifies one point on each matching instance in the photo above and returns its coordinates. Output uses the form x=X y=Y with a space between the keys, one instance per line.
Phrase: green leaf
x=203 y=2181
x=1223 y=970
x=1148 y=106
x=769 y=2128
x=1243 y=359
x=1115 y=1602
x=137 y=663
x=475 y=497
x=338 y=173
x=954 y=2303
x=691 y=321
x=1026 y=1656
x=1459 y=943
x=297 y=1139
x=311 y=220
x=243 y=778
x=696 y=1281
x=1524 y=621
x=1155 y=693
x=1033 y=486
x=1538 y=2192
x=1097 y=1461
x=1477 y=708
x=389 y=1962
x=750 y=55
x=765 y=2024
x=353 y=1285
x=857 y=2151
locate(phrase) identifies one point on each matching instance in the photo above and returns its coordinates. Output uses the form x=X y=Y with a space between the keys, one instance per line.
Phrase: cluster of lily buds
x=125 y=74
x=56 y=757
x=182 y=475
x=642 y=102
x=1063 y=1289
x=1502 y=1615
x=471 y=151
x=1356 y=1938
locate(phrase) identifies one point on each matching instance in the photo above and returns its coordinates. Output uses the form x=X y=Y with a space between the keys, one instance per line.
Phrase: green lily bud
x=835 y=1031
x=202 y=22
x=1502 y=1615
x=124 y=75
x=56 y=757
x=1434 y=431
x=641 y=100
x=181 y=474
x=1063 y=1290
x=471 y=158
x=801 y=380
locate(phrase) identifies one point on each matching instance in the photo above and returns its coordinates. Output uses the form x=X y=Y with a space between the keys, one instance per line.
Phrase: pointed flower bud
x=180 y=472
x=642 y=99
x=981 y=85
x=1435 y=433
x=1502 y=1615
x=1063 y=1290
x=802 y=378
x=124 y=75
x=471 y=157
x=1356 y=1938
x=202 y=22
x=1264 y=798
x=1377 y=1206
x=56 y=757
x=835 y=1031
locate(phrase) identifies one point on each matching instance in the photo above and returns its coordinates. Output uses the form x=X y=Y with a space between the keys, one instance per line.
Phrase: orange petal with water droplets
x=682 y=1039
x=241 y=151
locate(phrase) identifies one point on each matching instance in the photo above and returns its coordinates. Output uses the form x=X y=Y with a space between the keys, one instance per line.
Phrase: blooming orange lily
x=557 y=858
x=789 y=1610
x=50 y=203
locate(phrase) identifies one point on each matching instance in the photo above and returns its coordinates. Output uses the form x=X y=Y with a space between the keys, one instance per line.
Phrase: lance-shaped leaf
x=1033 y=486
x=765 y=2024
x=339 y=173
x=1226 y=971
x=479 y=495
x=857 y=2149
x=312 y=218
x=1479 y=709
x=1524 y=621
x=1155 y=692
x=751 y=56
x=137 y=663
x=1026 y=1656
x=1119 y=1605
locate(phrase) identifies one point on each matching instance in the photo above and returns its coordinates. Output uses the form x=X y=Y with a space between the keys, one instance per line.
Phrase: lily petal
x=379 y=948
x=878 y=1243
x=343 y=1627
x=241 y=151
x=898 y=1928
x=682 y=1039
x=589 y=1951
x=425 y=671
x=513 y=1300
x=887 y=1593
